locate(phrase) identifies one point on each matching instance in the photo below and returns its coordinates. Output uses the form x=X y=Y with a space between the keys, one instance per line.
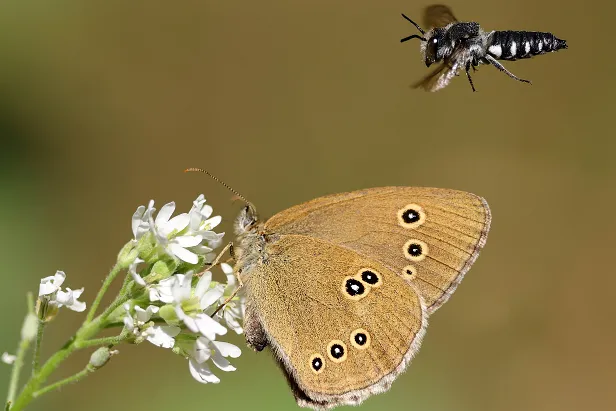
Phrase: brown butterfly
x=341 y=287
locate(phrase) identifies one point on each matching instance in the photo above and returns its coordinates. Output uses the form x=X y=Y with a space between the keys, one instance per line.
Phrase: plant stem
x=100 y=341
x=19 y=362
x=36 y=358
x=110 y=277
x=72 y=379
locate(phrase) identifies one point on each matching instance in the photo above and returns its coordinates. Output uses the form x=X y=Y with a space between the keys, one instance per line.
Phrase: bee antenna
x=418 y=28
x=219 y=181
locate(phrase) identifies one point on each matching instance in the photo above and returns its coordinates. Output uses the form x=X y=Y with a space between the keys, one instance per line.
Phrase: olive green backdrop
x=104 y=103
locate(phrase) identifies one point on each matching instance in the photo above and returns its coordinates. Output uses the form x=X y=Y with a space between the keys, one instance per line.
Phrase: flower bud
x=100 y=357
x=160 y=270
x=167 y=313
x=30 y=327
x=127 y=254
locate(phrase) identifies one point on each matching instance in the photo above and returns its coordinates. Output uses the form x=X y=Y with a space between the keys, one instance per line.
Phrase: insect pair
x=464 y=45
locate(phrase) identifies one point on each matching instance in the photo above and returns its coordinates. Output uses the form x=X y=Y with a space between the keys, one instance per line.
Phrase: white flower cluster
x=50 y=290
x=180 y=307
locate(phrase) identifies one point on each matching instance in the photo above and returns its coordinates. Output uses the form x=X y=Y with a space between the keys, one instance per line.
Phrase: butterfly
x=341 y=287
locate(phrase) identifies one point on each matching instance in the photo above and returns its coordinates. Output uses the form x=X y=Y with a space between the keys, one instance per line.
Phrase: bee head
x=435 y=48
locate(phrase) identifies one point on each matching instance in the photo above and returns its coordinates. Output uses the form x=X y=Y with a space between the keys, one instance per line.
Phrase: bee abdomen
x=513 y=45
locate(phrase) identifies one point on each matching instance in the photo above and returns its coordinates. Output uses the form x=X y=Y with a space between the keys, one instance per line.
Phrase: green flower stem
x=70 y=380
x=36 y=358
x=100 y=341
x=112 y=275
x=19 y=362
x=84 y=334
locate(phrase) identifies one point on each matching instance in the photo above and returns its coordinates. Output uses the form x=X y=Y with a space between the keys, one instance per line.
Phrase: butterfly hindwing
x=342 y=325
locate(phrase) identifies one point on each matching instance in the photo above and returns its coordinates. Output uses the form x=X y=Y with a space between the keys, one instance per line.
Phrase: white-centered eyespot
x=411 y=216
x=316 y=363
x=370 y=277
x=415 y=250
x=337 y=351
x=360 y=339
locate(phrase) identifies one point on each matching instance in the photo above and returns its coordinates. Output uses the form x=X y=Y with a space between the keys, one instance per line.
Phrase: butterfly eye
x=409 y=272
x=316 y=363
x=415 y=250
x=336 y=350
x=370 y=276
x=360 y=339
x=411 y=216
x=353 y=288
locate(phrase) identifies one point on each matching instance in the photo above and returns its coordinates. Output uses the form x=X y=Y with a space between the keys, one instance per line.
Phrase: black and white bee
x=464 y=45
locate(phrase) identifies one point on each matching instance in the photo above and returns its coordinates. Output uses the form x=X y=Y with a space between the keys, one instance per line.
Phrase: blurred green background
x=104 y=103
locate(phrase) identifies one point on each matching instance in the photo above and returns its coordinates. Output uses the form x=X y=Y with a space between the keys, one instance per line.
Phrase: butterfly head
x=247 y=219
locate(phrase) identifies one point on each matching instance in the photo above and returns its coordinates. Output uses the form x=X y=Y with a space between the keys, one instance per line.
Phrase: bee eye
x=434 y=40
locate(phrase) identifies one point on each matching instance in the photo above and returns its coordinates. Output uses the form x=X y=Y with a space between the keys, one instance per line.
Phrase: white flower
x=50 y=285
x=195 y=320
x=69 y=299
x=50 y=290
x=141 y=220
x=8 y=358
x=166 y=229
x=132 y=269
x=204 y=349
x=162 y=290
x=201 y=224
x=233 y=312
x=159 y=335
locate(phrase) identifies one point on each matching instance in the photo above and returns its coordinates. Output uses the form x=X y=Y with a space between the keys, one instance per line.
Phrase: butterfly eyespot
x=409 y=272
x=370 y=276
x=353 y=288
x=360 y=339
x=415 y=250
x=316 y=363
x=411 y=216
x=336 y=351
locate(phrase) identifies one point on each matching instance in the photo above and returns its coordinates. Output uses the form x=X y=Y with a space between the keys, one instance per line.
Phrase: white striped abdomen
x=513 y=45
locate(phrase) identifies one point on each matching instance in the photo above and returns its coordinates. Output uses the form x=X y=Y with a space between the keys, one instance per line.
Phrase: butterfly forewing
x=432 y=255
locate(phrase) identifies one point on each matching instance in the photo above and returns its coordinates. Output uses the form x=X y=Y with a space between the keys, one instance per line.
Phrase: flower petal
x=202 y=373
x=137 y=218
x=182 y=287
x=183 y=254
x=211 y=223
x=203 y=284
x=221 y=362
x=164 y=214
x=177 y=223
x=209 y=327
x=227 y=349
x=211 y=296
x=162 y=336
x=190 y=323
x=187 y=240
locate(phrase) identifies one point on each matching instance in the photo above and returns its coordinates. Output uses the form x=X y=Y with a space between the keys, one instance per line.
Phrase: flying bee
x=465 y=45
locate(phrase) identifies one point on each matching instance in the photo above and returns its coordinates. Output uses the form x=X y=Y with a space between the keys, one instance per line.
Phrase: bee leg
x=502 y=68
x=470 y=80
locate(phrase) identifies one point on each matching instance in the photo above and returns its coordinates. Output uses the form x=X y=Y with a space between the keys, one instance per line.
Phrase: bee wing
x=443 y=74
x=438 y=15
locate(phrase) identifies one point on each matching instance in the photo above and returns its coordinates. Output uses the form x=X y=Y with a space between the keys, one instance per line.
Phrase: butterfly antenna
x=219 y=181
x=414 y=36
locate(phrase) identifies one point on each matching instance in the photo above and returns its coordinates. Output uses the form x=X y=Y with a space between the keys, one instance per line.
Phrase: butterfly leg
x=468 y=74
x=218 y=258
x=502 y=68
